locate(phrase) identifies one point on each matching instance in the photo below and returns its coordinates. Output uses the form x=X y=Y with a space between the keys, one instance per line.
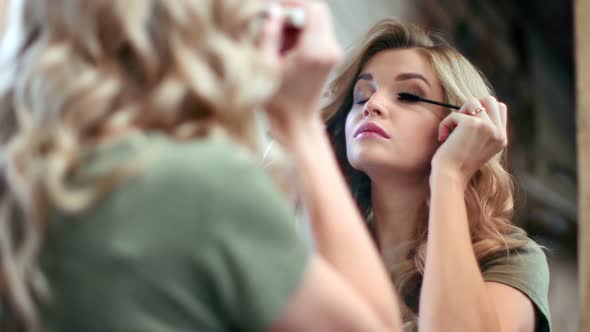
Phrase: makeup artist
x=432 y=184
x=131 y=195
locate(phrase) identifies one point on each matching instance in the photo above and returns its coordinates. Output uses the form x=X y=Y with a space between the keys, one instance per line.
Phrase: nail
x=296 y=17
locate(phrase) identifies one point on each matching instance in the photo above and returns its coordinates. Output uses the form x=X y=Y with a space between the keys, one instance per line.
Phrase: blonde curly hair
x=489 y=194
x=73 y=72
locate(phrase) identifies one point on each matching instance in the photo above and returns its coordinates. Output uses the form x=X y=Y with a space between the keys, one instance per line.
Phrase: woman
x=431 y=184
x=130 y=194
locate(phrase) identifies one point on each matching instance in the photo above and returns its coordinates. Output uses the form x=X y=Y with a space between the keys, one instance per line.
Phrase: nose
x=372 y=107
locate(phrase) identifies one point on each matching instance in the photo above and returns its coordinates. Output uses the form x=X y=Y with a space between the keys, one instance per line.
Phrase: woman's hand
x=470 y=138
x=306 y=56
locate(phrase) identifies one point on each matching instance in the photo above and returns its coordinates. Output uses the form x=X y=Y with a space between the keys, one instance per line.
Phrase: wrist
x=448 y=177
x=299 y=134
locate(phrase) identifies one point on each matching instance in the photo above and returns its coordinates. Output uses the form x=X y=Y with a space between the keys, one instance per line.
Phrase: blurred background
x=525 y=48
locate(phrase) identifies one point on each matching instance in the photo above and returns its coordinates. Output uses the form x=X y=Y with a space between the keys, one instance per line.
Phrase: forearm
x=453 y=296
x=341 y=237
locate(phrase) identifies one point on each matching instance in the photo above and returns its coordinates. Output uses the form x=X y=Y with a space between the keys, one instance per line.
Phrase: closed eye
x=362 y=101
x=410 y=92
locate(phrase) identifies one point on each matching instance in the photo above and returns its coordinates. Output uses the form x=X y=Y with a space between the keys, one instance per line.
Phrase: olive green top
x=527 y=270
x=524 y=269
x=197 y=240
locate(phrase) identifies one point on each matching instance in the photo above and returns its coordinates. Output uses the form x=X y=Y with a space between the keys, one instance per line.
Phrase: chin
x=373 y=158
x=365 y=163
x=371 y=164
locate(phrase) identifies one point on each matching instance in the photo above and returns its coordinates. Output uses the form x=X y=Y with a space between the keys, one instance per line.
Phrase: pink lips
x=370 y=128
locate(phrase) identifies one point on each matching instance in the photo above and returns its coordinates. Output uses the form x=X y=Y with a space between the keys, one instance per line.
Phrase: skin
x=404 y=159
x=425 y=148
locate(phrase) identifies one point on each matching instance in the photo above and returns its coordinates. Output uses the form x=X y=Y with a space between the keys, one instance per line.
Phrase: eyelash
x=414 y=92
x=362 y=102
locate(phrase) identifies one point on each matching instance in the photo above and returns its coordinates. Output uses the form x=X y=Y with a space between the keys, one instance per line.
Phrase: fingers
x=448 y=124
x=493 y=111
x=317 y=39
x=504 y=115
x=270 y=37
x=474 y=107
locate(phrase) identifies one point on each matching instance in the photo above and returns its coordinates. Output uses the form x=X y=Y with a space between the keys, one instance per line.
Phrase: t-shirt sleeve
x=526 y=270
x=256 y=257
x=200 y=241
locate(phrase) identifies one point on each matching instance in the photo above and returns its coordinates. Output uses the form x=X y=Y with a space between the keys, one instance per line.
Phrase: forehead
x=386 y=64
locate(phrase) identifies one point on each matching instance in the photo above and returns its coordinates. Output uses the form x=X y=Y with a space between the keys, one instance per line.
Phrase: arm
x=452 y=279
x=516 y=311
x=341 y=236
x=342 y=239
x=325 y=301
x=454 y=294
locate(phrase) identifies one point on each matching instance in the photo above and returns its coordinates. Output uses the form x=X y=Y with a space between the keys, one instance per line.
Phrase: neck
x=398 y=204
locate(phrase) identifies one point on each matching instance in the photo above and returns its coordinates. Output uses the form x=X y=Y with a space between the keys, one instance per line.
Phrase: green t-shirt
x=199 y=240
x=524 y=269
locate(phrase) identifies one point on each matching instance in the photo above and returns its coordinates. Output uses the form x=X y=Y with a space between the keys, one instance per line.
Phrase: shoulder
x=201 y=172
x=211 y=162
x=525 y=269
x=197 y=227
x=528 y=260
x=193 y=191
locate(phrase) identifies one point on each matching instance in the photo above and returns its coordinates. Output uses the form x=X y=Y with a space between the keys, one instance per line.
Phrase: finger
x=448 y=125
x=493 y=111
x=473 y=107
x=504 y=119
x=269 y=39
x=295 y=13
x=503 y=115
x=318 y=32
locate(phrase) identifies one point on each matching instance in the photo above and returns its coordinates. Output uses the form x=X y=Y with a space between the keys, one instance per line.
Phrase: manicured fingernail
x=296 y=17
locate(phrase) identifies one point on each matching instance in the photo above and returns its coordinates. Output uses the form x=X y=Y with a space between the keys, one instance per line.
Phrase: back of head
x=75 y=71
x=157 y=63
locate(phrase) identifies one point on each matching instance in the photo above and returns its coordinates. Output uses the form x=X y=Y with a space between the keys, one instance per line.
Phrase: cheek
x=351 y=120
x=422 y=137
x=352 y=150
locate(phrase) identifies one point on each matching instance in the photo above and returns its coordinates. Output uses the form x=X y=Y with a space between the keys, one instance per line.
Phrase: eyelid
x=360 y=98
x=416 y=92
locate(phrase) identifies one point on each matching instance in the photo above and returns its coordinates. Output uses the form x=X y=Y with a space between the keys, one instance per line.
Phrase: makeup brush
x=412 y=97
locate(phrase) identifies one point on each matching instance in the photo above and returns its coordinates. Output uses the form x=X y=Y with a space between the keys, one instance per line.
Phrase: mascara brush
x=412 y=97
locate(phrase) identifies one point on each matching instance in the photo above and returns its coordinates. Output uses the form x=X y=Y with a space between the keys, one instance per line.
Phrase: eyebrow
x=400 y=77
x=409 y=76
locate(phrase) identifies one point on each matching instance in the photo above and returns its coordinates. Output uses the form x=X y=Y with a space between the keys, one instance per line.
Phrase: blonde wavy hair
x=73 y=72
x=489 y=194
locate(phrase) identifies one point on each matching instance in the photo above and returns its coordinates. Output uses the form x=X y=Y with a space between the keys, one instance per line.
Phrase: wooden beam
x=582 y=42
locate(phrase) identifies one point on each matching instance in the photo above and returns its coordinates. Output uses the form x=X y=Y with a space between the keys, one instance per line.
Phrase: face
x=385 y=134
